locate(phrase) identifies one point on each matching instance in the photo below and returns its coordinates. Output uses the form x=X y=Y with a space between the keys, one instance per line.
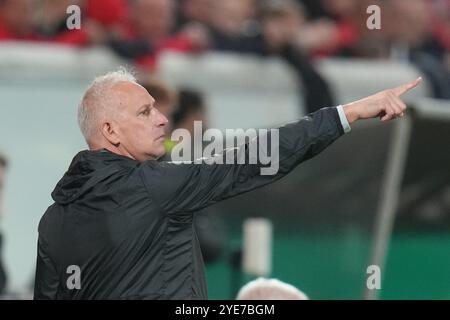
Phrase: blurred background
x=380 y=195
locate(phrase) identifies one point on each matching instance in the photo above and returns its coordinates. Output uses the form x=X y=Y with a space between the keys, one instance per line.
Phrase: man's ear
x=110 y=134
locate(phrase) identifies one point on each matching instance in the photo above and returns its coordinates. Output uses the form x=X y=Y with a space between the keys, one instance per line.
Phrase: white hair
x=270 y=289
x=97 y=100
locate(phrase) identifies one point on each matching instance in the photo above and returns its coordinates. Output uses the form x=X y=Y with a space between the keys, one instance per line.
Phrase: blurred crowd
x=417 y=31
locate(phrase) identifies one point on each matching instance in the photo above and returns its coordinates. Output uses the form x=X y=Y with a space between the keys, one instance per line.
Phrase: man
x=121 y=226
x=3 y=165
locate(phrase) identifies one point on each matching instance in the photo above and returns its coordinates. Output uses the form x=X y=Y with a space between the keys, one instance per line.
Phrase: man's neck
x=112 y=148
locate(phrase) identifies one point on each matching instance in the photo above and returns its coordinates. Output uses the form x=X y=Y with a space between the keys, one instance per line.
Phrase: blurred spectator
x=338 y=31
x=270 y=289
x=441 y=28
x=16 y=20
x=191 y=108
x=98 y=19
x=314 y=9
x=295 y=30
x=342 y=31
x=233 y=27
x=149 y=32
x=153 y=20
x=109 y=13
x=415 y=26
x=194 y=11
x=232 y=17
x=280 y=22
x=413 y=38
x=3 y=165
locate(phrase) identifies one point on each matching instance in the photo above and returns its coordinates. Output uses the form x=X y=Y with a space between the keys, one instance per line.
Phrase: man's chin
x=154 y=155
x=160 y=154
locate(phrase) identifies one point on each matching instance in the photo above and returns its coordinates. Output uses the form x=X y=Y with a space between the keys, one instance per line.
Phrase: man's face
x=139 y=126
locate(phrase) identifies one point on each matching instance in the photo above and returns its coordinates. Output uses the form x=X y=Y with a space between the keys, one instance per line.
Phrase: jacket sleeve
x=184 y=188
x=47 y=281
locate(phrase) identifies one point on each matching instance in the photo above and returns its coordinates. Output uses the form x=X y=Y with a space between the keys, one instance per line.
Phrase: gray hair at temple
x=98 y=101
x=270 y=289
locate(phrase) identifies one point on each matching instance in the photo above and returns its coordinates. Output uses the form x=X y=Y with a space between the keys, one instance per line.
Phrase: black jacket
x=128 y=225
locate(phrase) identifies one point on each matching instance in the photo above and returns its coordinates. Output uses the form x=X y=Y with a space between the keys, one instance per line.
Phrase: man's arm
x=47 y=280
x=190 y=187
x=179 y=188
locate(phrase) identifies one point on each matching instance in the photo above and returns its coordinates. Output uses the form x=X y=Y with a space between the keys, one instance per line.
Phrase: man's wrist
x=343 y=119
x=350 y=112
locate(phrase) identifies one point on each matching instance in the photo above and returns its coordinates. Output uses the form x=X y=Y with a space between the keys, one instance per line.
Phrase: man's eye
x=146 y=112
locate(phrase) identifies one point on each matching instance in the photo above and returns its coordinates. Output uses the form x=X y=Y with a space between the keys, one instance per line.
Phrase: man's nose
x=161 y=119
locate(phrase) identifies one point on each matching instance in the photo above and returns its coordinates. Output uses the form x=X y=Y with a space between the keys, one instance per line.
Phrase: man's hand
x=386 y=104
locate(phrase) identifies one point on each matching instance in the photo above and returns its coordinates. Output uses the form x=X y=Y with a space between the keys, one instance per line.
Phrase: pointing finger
x=406 y=87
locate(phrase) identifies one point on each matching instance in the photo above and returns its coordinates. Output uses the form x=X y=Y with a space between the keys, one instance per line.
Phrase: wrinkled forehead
x=130 y=96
